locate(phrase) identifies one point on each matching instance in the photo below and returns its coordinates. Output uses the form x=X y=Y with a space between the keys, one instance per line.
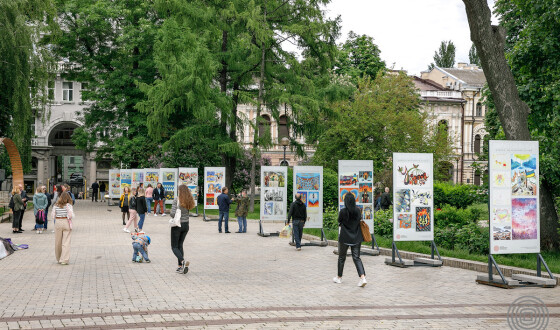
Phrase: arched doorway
x=66 y=163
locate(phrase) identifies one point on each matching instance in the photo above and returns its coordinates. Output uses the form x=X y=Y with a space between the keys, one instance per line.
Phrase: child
x=140 y=244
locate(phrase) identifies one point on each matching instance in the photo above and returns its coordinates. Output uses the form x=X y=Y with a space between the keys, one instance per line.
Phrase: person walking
x=16 y=204
x=159 y=197
x=125 y=202
x=386 y=199
x=23 y=194
x=149 y=197
x=298 y=212
x=350 y=236
x=141 y=208
x=242 y=211
x=223 y=204
x=49 y=203
x=40 y=203
x=94 y=191
x=58 y=190
x=69 y=191
x=132 y=211
x=63 y=212
x=184 y=201
x=102 y=190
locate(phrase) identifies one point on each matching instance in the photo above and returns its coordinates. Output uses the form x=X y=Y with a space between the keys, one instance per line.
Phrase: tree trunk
x=512 y=111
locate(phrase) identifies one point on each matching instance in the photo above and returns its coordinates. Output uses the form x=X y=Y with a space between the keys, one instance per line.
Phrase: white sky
x=407 y=32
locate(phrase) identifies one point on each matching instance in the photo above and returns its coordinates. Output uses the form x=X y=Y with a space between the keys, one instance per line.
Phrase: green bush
x=473 y=239
x=330 y=218
x=460 y=196
x=330 y=188
x=383 y=223
x=450 y=215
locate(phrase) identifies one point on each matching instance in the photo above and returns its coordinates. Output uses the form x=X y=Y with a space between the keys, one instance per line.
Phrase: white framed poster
x=413 y=197
x=126 y=180
x=308 y=181
x=214 y=181
x=168 y=177
x=356 y=177
x=514 y=197
x=274 y=192
x=137 y=177
x=114 y=183
x=151 y=176
x=189 y=177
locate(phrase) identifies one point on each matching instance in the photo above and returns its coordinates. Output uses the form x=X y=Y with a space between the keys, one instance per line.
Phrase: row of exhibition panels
x=513 y=167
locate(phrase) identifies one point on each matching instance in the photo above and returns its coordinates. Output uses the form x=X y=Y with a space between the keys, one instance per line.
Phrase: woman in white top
x=63 y=213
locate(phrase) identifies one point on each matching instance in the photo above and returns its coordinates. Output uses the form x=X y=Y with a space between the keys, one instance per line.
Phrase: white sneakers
x=155 y=215
x=362 y=282
x=126 y=230
x=163 y=214
x=337 y=280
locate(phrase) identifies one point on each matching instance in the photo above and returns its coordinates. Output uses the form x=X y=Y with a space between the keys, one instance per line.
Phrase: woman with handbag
x=40 y=203
x=349 y=219
x=63 y=213
x=182 y=203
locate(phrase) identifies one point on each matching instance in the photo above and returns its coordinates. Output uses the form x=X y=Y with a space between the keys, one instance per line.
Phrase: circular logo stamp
x=527 y=312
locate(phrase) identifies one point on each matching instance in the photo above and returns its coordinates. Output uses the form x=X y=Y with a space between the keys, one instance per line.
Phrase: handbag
x=176 y=221
x=365 y=231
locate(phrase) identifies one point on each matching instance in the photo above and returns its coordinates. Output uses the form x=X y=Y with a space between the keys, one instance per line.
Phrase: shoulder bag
x=365 y=231
x=176 y=221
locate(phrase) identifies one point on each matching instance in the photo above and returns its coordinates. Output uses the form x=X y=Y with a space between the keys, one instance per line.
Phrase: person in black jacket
x=350 y=236
x=23 y=194
x=141 y=207
x=386 y=199
x=159 y=199
x=94 y=191
x=298 y=212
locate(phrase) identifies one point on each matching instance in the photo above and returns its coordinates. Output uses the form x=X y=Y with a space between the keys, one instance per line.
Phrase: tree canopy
x=444 y=57
x=359 y=57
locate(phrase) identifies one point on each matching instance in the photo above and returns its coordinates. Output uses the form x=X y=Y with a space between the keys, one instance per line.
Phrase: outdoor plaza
x=235 y=282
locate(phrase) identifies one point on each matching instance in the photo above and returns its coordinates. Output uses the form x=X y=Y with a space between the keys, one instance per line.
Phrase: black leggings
x=178 y=235
x=15 y=219
x=342 y=249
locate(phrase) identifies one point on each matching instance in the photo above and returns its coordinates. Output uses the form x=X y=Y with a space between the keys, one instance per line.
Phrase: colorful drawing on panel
x=274 y=179
x=303 y=197
x=126 y=180
x=365 y=176
x=365 y=193
x=501 y=233
x=500 y=162
x=194 y=191
x=421 y=197
x=210 y=199
x=501 y=215
x=524 y=218
x=152 y=177
x=308 y=181
x=402 y=202
x=423 y=219
x=138 y=176
x=413 y=176
x=523 y=175
x=214 y=188
x=169 y=190
x=189 y=178
x=168 y=176
x=269 y=208
x=278 y=209
x=348 y=179
x=344 y=191
x=501 y=179
x=368 y=213
x=313 y=199
x=214 y=176
x=404 y=221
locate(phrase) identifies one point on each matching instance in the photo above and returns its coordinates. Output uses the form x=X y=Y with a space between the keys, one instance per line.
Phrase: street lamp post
x=285 y=143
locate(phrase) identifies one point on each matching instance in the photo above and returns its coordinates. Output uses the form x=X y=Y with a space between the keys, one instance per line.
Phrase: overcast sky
x=408 y=32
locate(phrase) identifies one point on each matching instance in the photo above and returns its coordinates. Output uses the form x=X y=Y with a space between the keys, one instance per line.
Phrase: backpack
x=40 y=217
x=12 y=205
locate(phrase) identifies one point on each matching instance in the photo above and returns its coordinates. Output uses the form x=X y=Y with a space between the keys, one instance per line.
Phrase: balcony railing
x=445 y=94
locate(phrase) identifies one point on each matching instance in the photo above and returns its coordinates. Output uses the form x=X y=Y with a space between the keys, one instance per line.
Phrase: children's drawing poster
x=308 y=181
x=151 y=177
x=514 y=197
x=274 y=192
x=189 y=177
x=214 y=181
x=168 y=177
x=356 y=177
x=413 y=197
x=114 y=183
x=126 y=180
x=137 y=177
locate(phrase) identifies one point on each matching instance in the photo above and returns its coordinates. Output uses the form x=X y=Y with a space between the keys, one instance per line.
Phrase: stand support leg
x=541 y=259
x=490 y=271
x=260 y=227
x=374 y=242
x=538 y=265
x=204 y=215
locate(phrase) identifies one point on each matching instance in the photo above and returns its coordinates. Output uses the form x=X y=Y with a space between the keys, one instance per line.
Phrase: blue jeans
x=225 y=217
x=149 y=201
x=141 y=222
x=242 y=221
x=139 y=249
x=298 y=231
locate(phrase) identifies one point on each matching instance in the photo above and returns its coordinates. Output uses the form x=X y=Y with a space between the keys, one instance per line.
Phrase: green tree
x=445 y=56
x=383 y=117
x=473 y=56
x=359 y=57
x=25 y=68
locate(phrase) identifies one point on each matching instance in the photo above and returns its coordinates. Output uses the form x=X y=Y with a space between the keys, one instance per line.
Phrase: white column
x=41 y=171
x=92 y=172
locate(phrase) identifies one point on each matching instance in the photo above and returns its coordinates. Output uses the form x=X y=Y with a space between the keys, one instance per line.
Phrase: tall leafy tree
x=359 y=57
x=444 y=57
x=473 y=56
x=25 y=68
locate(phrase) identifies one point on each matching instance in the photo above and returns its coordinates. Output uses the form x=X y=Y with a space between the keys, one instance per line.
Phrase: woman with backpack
x=40 y=204
x=63 y=213
x=350 y=236
x=16 y=204
x=132 y=212
x=184 y=202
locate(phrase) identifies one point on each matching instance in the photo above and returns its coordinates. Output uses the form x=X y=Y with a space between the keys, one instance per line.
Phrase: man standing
x=298 y=212
x=223 y=202
x=386 y=199
x=94 y=190
x=24 y=199
x=102 y=190
x=159 y=197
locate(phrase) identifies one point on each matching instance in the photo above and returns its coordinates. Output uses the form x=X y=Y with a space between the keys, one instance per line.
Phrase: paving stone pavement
x=236 y=281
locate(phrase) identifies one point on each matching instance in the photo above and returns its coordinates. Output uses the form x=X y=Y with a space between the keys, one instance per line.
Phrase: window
x=479 y=109
x=443 y=126
x=50 y=90
x=67 y=91
x=477 y=178
x=264 y=126
x=85 y=88
x=72 y=160
x=282 y=128
x=477 y=144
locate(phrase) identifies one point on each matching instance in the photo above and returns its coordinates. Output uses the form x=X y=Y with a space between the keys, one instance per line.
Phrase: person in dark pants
x=223 y=202
x=94 y=191
x=350 y=236
x=102 y=190
x=298 y=212
x=159 y=198
x=24 y=199
x=16 y=204
x=386 y=199
x=184 y=201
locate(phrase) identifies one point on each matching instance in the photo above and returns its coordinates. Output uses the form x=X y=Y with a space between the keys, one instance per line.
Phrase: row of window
x=282 y=126
x=67 y=90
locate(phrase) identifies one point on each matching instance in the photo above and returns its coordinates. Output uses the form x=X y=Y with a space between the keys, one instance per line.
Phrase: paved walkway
x=236 y=281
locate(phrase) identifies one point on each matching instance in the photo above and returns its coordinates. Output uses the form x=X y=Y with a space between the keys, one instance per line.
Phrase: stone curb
x=477 y=266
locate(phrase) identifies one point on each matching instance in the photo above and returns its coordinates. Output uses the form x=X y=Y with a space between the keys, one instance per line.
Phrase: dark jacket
x=223 y=202
x=385 y=201
x=18 y=203
x=95 y=187
x=102 y=187
x=24 y=198
x=159 y=193
x=350 y=231
x=298 y=211
x=141 y=206
x=242 y=207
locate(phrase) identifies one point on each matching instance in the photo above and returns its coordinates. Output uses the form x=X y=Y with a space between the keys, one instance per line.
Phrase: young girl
x=63 y=213
x=141 y=208
x=40 y=203
x=125 y=202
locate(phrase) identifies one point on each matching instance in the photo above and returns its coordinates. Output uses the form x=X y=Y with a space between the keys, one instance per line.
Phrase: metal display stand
x=323 y=242
x=207 y=218
x=262 y=233
x=518 y=280
x=195 y=214
x=373 y=252
x=417 y=262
